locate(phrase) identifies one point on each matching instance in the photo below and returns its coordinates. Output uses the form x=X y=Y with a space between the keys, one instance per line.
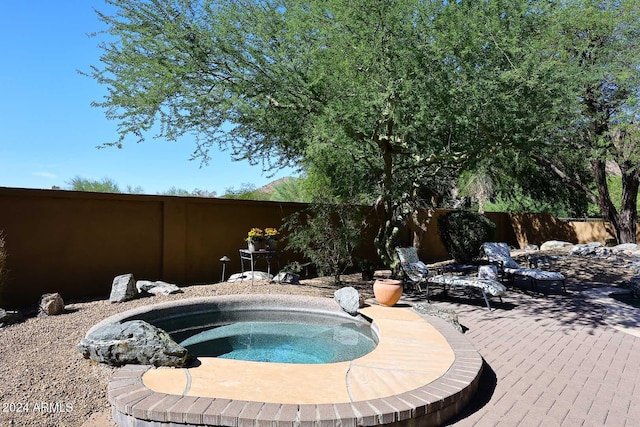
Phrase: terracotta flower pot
x=387 y=291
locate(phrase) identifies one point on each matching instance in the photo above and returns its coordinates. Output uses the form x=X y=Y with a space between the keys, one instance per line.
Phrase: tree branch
x=575 y=183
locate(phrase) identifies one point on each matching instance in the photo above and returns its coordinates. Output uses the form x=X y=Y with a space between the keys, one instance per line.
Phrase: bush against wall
x=463 y=232
x=326 y=234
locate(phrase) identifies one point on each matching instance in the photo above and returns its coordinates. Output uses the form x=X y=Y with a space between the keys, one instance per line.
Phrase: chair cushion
x=489 y=286
x=416 y=271
x=408 y=255
x=499 y=252
x=535 y=274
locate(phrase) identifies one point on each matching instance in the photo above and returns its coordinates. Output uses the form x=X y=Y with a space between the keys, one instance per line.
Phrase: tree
x=376 y=83
x=105 y=185
x=386 y=101
x=247 y=191
x=290 y=190
x=597 y=46
x=478 y=186
x=181 y=192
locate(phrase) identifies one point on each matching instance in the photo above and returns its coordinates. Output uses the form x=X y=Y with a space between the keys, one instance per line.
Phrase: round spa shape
x=420 y=372
x=260 y=330
x=271 y=335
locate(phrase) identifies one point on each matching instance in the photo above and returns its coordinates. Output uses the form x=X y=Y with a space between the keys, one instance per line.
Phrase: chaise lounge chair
x=416 y=273
x=498 y=253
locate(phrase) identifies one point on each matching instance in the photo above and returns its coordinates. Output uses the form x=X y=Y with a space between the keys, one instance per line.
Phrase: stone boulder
x=134 y=342
x=51 y=304
x=592 y=248
x=123 y=288
x=8 y=317
x=157 y=287
x=349 y=299
x=290 y=278
x=554 y=244
x=626 y=247
x=257 y=275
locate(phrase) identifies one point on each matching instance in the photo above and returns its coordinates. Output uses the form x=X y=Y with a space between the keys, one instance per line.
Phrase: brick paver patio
x=549 y=361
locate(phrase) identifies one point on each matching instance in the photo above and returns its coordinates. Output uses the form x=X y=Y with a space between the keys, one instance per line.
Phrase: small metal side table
x=253 y=256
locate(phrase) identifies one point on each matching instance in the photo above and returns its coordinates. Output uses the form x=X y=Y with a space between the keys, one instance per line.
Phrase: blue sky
x=48 y=130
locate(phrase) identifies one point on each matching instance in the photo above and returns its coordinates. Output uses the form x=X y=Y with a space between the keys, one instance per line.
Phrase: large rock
x=257 y=275
x=284 y=277
x=135 y=342
x=626 y=247
x=51 y=304
x=8 y=317
x=349 y=299
x=554 y=244
x=123 y=288
x=157 y=287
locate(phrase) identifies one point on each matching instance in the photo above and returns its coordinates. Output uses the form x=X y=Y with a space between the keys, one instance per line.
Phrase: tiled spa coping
x=421 y=373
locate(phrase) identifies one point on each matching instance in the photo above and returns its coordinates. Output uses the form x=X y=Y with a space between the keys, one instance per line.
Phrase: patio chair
x=417 y=274
x=499 y=254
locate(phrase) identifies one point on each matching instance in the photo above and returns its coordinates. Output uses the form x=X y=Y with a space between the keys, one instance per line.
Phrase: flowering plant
x=271 y=233
x=255 y=235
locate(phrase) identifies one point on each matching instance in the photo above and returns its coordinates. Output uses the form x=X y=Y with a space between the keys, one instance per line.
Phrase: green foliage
x=463 y=233
x=174 y=191
x=595 y=45
x=286 y=190
x=292 y=267
x=290 y=190
x=247 y=191
x=380 y=101
x=326 y=234
x=370 y=97
x=181 y=192
x=614 y=184
x=105 y=185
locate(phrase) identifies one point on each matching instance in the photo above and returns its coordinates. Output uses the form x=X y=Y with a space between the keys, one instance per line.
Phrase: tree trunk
x=384 y=241
x=607 y=208
x=623 y=222
x=628 y=217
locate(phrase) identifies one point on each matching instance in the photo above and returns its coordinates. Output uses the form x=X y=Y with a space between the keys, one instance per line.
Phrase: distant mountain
x=269 y=188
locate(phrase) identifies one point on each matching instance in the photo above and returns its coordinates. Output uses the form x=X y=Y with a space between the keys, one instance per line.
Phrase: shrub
x=463 y=233
x=327 y=234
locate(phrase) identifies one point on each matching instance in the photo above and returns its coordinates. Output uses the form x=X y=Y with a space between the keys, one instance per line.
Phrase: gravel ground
x=46 y=382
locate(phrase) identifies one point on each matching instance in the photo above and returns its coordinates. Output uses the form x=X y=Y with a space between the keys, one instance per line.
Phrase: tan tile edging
x=432 y=404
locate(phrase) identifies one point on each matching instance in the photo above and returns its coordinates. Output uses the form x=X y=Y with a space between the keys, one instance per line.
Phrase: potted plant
x=254 y=239
x=387 y=291
x=271 y=238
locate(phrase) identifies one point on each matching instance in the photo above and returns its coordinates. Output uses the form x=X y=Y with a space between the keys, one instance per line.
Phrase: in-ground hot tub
x=420 y=370
x=272 y=335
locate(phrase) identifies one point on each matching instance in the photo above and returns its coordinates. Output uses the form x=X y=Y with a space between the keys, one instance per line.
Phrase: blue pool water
x=281 y=342
x=271 y=335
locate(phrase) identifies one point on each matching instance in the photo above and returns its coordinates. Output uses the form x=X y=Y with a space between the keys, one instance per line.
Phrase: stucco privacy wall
x=75 y=243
